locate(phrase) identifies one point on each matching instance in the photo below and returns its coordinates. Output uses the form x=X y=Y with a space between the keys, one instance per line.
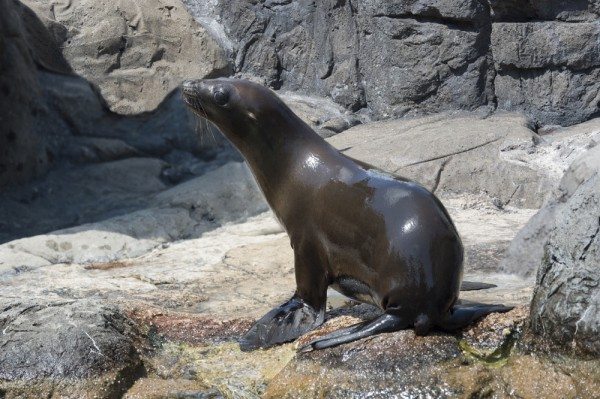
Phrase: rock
x=47 y=342
x=550 y=70
x=389 y=364
x=61 y=117
x=187 y=210
x=97 y=149
x=158 y=388
x=354 y=54
x=563 y=154
x=445 y=10
x=135 y=55
x=566 y=301
x=545 y=10
x=413 y=65
x=538 y=45
x=463 y=153
x=69 y=197
x=121 y=237
x=224 y=195
x=323 y=115
x=22 y=152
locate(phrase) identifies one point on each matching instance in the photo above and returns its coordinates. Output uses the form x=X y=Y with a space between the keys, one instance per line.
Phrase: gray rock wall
x=411 y=57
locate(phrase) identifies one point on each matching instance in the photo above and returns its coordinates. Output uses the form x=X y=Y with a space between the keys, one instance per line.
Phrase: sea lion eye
x=221 y=97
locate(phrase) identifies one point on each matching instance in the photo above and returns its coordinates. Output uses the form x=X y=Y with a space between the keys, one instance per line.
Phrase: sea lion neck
x=281 y=154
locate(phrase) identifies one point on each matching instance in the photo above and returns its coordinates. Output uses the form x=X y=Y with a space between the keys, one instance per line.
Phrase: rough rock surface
x=415 y=57
x=22 y=154
x=51 y=117
x=499 y=155
x=47 y=342
x=63 y=339
x=394 y=58
x=135 y=54
x=527 y=249
x=548 y=69
x=566 y=302
x=525 y=10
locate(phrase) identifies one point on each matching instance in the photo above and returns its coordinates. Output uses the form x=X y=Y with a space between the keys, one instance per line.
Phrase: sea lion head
x=237 y=107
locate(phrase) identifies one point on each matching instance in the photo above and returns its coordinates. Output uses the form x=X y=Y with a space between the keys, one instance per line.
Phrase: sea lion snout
x=192 y=93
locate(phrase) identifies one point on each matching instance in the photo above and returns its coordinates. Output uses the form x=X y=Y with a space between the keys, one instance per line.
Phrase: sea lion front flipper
x=464 y=314
x=384 y=323
x=282 y=324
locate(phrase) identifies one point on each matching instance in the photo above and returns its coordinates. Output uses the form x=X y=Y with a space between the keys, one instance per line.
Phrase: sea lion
x=371 y=235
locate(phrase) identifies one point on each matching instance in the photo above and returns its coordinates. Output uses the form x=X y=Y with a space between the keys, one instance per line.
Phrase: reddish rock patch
x=190 y=328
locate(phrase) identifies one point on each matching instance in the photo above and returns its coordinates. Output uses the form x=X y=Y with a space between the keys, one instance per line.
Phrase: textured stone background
x=377 y=59
x=135 y=247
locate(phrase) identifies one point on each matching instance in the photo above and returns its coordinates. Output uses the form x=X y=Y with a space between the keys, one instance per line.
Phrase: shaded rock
x=136 y=55
x=461 y=153
x=96 y=149
x=50 y=341
x=550 y=70
x=224 y=195
x=77 y=196
x=566 y=302
x=22 y=151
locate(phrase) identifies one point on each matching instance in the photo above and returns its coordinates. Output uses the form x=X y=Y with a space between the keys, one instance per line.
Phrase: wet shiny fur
x=373 y=236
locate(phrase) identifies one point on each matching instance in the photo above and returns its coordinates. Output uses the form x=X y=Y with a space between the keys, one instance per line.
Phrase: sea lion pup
x=373 y=236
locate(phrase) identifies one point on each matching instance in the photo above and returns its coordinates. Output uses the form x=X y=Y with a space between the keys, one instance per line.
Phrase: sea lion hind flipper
x=282 y=324
x=475 y=286
x=463 y=315
x=384 y=323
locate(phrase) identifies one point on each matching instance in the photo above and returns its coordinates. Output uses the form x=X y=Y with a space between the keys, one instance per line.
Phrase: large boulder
x=414 y=57
x=136 y=55
x=527 y=248
x=566 y=301
x=417 y=59
x=47 y=344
